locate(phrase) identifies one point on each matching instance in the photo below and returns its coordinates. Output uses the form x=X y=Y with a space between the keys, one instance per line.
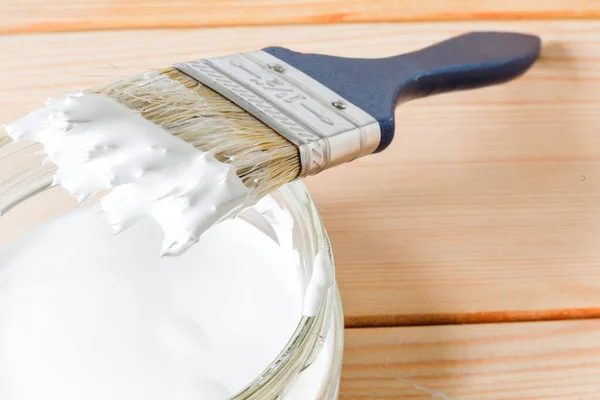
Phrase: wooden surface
x=20 y=16
x=486 y=208
x=523 y=361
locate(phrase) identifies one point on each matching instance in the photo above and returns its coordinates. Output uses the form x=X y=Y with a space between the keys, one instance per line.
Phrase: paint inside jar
x=87 y=314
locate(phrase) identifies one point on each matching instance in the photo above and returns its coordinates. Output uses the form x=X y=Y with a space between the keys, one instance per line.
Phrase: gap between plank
x=487 y=317
x=43 y=27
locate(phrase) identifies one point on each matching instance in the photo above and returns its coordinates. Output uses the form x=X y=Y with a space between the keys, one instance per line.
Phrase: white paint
x=320 y=281
x=99 y=145
x=319 y=276
x=86 y=314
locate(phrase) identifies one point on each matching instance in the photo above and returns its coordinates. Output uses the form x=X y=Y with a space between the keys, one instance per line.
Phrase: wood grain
x=486 y=207
x=38 y=16
x=524 y=361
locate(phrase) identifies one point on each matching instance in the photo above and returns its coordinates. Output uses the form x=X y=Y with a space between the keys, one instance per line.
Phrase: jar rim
x=303 y=346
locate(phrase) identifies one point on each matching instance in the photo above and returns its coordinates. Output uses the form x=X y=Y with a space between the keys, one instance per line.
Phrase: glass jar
x=309 y=366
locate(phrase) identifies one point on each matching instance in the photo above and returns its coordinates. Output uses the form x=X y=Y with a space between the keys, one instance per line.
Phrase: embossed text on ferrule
x=307 y=109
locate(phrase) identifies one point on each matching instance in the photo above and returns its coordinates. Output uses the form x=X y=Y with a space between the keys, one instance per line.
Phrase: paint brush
x=277 y=115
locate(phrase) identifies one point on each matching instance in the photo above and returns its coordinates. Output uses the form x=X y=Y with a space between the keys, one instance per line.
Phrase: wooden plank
x=40 y=16
x=524 y=361
x=485 y=208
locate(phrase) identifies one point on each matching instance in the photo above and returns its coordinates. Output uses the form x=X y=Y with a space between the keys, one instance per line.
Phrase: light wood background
x=485 y=211
x=41 y=16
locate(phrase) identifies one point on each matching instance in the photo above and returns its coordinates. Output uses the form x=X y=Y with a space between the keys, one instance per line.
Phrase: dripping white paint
x=98 y=144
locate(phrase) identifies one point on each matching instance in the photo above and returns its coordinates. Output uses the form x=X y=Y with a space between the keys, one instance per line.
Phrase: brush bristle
x=264 y=160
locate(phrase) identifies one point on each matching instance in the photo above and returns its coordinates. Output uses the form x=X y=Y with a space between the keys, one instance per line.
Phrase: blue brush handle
x=377 y=85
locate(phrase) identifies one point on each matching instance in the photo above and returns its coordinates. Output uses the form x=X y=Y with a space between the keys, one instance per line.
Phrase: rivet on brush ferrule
x=340 y=105
x=277 y=68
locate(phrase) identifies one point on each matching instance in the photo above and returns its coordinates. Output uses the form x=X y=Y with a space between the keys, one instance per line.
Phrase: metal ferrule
x=327 y=129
